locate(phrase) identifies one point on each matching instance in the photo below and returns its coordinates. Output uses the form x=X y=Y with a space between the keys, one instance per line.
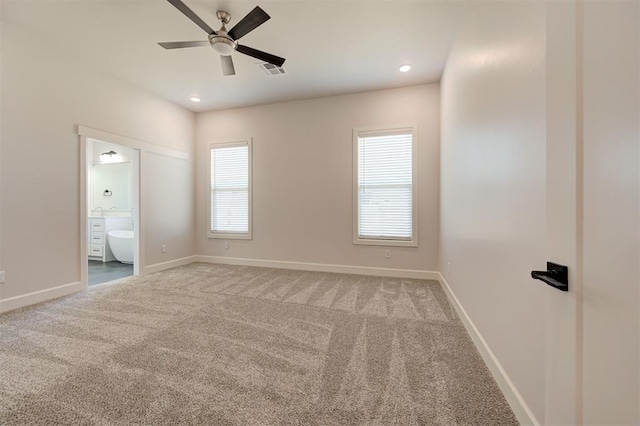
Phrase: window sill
x=389 y=243
x=228 y=236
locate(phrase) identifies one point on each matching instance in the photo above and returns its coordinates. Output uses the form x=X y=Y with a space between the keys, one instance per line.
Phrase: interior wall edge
x=517 y=403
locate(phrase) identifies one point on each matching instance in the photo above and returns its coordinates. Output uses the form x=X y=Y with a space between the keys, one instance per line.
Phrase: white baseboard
x=18 y=302
x=322 y=267
x=513 y=397
x=157 y=267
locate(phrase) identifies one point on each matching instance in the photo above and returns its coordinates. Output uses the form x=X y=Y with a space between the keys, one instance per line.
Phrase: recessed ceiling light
x=195 y=99
x=404 y=68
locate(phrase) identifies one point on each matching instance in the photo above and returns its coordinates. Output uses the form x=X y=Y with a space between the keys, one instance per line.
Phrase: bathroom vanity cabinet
x=97 y=231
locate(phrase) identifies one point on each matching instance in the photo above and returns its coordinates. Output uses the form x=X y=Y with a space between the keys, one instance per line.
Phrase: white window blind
x=230 y=192
x=385 y=185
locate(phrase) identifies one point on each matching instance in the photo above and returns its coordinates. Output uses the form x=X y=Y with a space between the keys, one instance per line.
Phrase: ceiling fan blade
x=263 y=56
x=227 y=65
x=253 y=20
x=191 y=15
x=182 y=44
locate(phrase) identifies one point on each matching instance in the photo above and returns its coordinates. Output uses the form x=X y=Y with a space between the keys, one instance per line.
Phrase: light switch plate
x=1 y=277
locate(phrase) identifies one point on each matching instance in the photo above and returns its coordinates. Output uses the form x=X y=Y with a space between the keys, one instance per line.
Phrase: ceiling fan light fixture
x=222 y=44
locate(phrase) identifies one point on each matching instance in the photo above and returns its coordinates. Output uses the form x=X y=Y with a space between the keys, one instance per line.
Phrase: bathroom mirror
x=112 y=186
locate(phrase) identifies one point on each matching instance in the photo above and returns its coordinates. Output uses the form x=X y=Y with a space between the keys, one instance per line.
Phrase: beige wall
x=493 y=200
x=302 y=177
x=44 y=97
x=611 y=215
x=168 y=208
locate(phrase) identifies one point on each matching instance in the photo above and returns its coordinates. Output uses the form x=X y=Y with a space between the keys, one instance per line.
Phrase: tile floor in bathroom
x=100 y=272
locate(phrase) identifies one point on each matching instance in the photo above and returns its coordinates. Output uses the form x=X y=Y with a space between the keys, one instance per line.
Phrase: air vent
x=270 y=69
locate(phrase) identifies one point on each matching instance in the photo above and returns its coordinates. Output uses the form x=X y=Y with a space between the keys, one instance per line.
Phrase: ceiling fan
x=226 y=42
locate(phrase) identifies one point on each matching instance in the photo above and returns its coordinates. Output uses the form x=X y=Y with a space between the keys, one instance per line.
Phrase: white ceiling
x=331 y=47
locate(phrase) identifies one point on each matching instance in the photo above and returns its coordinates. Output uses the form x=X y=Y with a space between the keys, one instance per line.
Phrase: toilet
x=121 y=244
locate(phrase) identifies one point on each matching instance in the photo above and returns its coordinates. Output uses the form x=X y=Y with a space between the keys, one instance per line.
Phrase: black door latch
x=556 y=276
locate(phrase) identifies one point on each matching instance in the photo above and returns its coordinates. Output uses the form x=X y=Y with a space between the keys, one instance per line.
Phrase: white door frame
x=136 y=201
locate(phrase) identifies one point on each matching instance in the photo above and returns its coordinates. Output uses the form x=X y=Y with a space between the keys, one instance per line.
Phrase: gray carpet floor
x=228 y=345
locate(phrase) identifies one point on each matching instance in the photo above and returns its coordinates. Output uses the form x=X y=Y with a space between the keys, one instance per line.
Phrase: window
x=385 y=202
x=230 y=209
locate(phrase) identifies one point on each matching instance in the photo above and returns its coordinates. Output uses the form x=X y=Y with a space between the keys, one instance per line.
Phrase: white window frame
x=375 y=131
x=248 y=142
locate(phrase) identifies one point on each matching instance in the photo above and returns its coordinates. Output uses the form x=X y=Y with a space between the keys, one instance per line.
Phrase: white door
x=592 y=361
x=610 y=357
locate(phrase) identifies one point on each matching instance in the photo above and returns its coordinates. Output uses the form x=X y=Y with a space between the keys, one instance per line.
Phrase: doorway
x=112 y=205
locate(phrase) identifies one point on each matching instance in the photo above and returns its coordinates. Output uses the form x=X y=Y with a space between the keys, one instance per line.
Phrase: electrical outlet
x=1 y=277
x=387 y=254
x=163 y=248
x=226 y=245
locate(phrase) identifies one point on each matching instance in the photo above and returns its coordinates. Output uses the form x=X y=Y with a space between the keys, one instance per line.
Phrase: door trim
x=101 y=135
x=136 y=184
